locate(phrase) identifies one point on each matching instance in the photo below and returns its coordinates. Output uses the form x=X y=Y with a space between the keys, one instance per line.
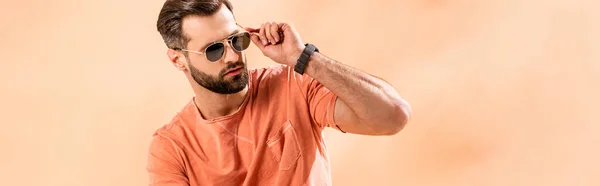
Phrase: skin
x=366 y=105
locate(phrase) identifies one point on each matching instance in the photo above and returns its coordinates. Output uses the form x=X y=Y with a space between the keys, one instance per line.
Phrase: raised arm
x=366 y=105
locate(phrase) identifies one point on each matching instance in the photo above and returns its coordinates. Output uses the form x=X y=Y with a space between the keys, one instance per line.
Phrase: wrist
x=304 y=57
x=293 y=59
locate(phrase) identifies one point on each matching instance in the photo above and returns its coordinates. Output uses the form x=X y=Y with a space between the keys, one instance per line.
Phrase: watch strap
x=302 y=62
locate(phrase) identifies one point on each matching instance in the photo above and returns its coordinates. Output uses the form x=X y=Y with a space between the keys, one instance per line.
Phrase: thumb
x=287 y=28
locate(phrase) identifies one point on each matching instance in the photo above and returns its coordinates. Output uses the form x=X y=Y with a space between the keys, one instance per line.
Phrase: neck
x=213 y=105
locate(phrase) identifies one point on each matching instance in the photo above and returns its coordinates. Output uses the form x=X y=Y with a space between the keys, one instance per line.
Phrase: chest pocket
x=284 y=146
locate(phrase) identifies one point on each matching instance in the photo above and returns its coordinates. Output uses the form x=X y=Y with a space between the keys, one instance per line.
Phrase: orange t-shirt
x=274 y=138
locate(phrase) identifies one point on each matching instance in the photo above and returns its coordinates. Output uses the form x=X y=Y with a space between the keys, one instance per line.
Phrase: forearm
x=374 y=102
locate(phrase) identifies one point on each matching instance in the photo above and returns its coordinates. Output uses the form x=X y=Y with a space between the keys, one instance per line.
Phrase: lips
x=232 y=70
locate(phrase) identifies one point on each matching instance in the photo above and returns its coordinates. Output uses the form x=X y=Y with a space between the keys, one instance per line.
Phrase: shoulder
x=166 y=153
x=172 y=132
x=271 y=72
x=277 y=75
x=167 y=134
x=272 y=77
x=170 y=128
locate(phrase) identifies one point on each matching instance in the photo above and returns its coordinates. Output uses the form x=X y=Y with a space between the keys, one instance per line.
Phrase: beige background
x=504 y=92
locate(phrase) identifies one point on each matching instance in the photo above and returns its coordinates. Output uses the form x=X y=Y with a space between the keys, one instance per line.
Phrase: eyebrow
x=232 y=33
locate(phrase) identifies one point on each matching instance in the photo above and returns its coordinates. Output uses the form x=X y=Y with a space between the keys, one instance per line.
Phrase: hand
x=278 y=41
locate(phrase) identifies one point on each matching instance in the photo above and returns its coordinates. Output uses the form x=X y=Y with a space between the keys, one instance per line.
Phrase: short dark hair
x=174 y=11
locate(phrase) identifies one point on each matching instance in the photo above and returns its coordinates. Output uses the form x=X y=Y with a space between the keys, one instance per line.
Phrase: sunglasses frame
x=229 y=40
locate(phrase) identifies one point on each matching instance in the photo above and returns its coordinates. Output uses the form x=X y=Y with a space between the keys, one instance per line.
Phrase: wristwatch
x=302 y=62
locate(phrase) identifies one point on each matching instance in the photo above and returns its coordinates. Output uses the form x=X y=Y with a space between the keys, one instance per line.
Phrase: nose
x=231 y=55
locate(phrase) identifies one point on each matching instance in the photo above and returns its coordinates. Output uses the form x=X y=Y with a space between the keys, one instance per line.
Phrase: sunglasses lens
x=241 y=41
x=215 y=51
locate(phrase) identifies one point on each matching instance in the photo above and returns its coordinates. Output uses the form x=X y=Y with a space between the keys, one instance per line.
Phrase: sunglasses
x=214 y=51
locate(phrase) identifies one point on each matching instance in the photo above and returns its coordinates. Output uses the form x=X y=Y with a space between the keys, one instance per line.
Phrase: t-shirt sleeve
x=320 y=99
x=165 y=165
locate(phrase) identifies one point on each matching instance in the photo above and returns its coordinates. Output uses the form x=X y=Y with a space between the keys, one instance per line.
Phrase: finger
x=262 y=35
x=275 y=32
x=251 y=30
x=268 y=27
x=256 y=40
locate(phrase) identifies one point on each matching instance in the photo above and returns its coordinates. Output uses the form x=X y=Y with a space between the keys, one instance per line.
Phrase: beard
x=219 y=84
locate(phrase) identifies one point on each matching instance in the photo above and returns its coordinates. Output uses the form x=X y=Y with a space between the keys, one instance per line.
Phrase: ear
x=177 y=59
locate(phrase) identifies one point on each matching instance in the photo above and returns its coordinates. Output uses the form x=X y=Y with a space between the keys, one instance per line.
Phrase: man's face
x=219 y=76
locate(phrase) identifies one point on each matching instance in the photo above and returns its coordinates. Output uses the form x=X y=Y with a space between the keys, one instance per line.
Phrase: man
x=261 y=126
